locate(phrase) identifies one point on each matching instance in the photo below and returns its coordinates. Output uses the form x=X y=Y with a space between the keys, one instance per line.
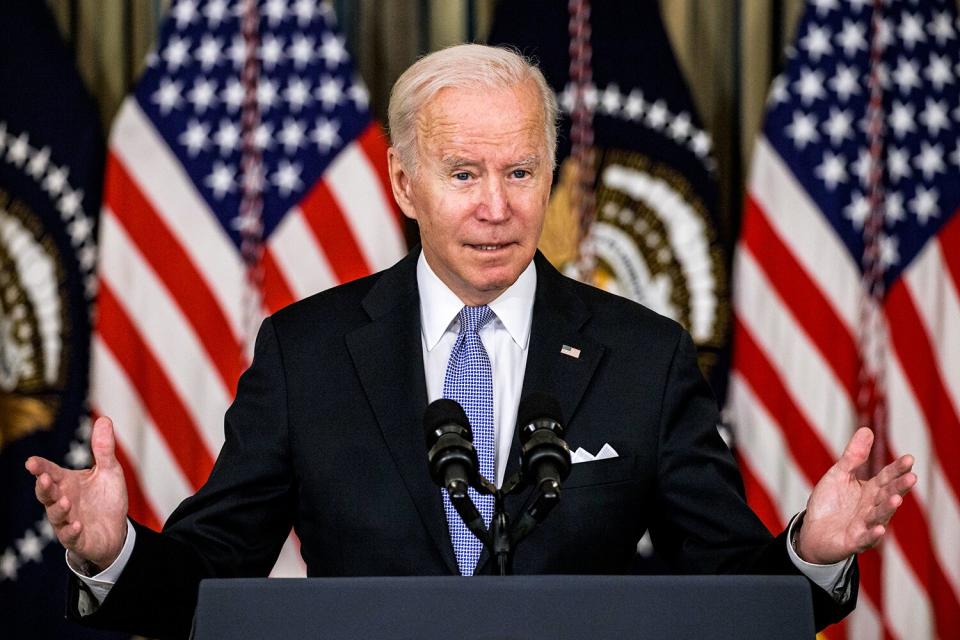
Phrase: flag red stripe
x=276 y=292
x=950 y=243
x=921 y=370
x=158 y=397
x=138 y=506
x=807 y=304
x=333 y=233
x=870 y=563
x=758 y=498
x=805 y=444
x=374 y=143
x=176 y=270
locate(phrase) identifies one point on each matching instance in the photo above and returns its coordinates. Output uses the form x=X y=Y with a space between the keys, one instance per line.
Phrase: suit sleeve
x=703 y=524
x=234 y=526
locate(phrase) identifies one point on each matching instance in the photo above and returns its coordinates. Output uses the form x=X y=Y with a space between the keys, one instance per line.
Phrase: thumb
x=857 y=450
x=103 y=443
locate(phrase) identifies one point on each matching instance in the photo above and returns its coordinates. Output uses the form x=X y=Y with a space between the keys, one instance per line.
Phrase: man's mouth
x=487 y=247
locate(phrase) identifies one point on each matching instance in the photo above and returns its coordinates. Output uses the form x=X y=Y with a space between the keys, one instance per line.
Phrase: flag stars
x=898 y=164
x=326 y=134
x=9 y=565
x=30 y=547
x=70 y=203
x=80 y=229
x=924 y=204
x=838 y=126
x=901 y=119
x=203 y=95
x=195 y=138
x=287 y=178
x=19 y=150
x=893 y=210
x=263 y=136
x=863 y=166
x=701 y=144
x=305 y=10
x=292 y=135
x=56 y=180
x=221 y=180
x=803 y=130
x=233 y=95
x=330 y=92
x=934 y=116
x=297 y=94
x=941 y=28
x=955 y=156
x=680 y=127
x=852 y=38
x=845 y=82
x=658 y=115
x=227 y=137
x=857 y=211
x=266 y=94
x=237 y=51
x=184 y=12
x=176 y=53
x=301 y=51
x=611 y=100
x=889 y=251
x=938 y=71
x=911 y=30
x=209 y=52
x=38 y=163
x=167 y=97
x=832 y=170
x=275 y=11
x=817 y=43
x=634 y=105
x=824 y=6
x=215 y=12
x=332 y=50
x=906 y=75
x=359 y=95
x=809 y=86
x=930 y=160
x=778 y=91
x=271 y=51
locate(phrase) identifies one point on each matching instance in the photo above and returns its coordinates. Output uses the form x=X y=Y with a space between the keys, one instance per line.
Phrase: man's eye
x=520 y=173
x=461 y=175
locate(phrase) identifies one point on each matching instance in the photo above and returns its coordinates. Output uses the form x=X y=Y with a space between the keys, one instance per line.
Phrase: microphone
x=545 y=457
x=451 y=456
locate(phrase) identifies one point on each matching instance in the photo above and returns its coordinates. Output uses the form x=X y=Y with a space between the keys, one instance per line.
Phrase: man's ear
x=401 y=184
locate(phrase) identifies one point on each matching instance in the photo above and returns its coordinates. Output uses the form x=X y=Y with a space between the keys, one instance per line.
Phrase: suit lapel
x=558 y=319
x=389 y=361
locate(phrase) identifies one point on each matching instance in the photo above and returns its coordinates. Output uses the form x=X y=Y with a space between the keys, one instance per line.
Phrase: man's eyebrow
x=456 y=162
x=528 y=161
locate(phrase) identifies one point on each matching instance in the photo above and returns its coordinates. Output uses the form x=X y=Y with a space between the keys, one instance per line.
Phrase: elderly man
x=325 y=431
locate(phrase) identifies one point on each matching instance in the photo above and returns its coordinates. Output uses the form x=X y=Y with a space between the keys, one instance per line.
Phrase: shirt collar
x=439 y=306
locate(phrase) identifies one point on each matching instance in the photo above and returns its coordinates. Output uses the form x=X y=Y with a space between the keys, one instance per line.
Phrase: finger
x=69 y=535
x=46 y=490
x=894 y=470
x=900 y=486
x=103 y=443
x=871 y=537
x=857 y=450
x=882 y=513
x=37 y=465
x=59 y=512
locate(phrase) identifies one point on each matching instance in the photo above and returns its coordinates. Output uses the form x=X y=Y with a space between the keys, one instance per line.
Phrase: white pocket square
x=582 y=455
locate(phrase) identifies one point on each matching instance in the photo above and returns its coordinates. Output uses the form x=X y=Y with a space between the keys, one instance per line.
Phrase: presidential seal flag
x=51 y=163
x=633 y=206
x=245 y=172
x=846 y=283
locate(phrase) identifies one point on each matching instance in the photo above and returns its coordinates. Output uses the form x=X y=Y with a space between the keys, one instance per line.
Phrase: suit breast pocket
x=600 y=472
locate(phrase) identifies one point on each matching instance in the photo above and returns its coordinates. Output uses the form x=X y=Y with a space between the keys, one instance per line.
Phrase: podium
x=507 y=608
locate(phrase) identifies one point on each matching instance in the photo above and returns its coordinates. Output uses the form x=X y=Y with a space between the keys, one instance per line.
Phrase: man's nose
x=495 y=206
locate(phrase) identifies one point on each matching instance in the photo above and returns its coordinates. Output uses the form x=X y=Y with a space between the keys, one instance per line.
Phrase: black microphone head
x=440 y=413
x=538 y=406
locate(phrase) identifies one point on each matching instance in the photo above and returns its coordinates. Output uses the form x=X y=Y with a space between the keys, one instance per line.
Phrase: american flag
x=245 y=172
x=846 y=290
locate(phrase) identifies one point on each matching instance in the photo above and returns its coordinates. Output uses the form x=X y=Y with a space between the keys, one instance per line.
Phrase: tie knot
x=474 y=318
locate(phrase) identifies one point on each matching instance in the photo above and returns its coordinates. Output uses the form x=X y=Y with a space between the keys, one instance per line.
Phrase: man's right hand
x=88 y=508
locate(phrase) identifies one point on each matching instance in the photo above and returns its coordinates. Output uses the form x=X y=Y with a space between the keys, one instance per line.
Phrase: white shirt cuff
x=832 y=578
x=99 y=585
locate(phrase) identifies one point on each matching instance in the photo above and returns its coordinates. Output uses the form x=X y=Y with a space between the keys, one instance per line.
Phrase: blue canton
x=817 y=120
x=310 y=101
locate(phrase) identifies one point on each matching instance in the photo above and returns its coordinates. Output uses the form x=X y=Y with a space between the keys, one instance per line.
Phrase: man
x=325 y=434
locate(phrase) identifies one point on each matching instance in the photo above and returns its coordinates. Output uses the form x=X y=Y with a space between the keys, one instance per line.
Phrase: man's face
x=480 y=191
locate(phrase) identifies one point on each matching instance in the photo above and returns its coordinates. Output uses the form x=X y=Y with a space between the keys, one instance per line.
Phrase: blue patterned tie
x=469 y=381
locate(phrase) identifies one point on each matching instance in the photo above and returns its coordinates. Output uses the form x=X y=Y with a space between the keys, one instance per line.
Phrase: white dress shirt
x=506 y=339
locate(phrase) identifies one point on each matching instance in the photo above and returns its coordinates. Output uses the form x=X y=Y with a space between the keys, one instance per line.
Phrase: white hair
x=463 y=66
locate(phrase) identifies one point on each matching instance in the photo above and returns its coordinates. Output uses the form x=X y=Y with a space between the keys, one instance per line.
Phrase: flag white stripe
x=939 y=308
x=166 y=332
x=802 y=227
x=112 y=395
x=864 y=621
x=168 y=188
x=299 y=258
x=809 y=380
x=779 y=475
x=909 y=433
x=904 y=602
x=354 y=185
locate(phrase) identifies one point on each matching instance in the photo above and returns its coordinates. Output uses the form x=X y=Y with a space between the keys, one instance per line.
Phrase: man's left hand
x=846 y=515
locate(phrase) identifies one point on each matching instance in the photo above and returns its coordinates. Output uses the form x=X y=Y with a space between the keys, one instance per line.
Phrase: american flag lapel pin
x=567 y=350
